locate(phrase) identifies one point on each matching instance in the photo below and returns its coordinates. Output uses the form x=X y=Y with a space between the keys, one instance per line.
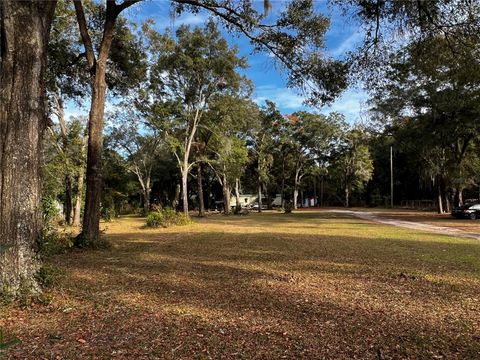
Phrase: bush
x=154 y=219
x=47 y=275
x=108 y=214
x=288 y=207
x=183 y=219
x=166 y=217
x=52 y=242
x=49 y=208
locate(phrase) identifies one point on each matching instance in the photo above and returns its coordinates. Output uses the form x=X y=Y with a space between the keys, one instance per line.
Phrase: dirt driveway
x=420 y=220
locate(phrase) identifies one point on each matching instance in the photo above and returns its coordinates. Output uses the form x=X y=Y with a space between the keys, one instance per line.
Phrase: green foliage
x=47 y=275
x=118 y=184
x=295 y=38
x=68 y=73
x=166 y=218
x=428 y=103
x=108 y=214
x=52 y=242
x=352 y=165
x=50 y=209
x=6 y=342
x=154 y=219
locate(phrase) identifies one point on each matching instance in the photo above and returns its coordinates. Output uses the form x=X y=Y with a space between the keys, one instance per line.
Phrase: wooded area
x=174 y=132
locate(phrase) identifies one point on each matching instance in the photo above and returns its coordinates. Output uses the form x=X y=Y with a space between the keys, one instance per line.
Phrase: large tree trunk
x=201 y=205
x=91 y=219
x=98 y=67
x=24 y=31
x=146 y=201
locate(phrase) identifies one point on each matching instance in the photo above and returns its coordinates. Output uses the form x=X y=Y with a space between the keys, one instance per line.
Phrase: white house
x=249 y=200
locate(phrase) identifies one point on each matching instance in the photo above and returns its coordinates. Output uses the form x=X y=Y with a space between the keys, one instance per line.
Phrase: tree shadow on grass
x=185 y=306
x=196 y=293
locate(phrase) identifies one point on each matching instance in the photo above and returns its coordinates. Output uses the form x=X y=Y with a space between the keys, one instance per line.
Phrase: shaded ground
x=306 y=285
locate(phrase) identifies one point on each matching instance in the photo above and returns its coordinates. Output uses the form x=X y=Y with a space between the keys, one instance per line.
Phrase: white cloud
x=164 y=22
x=285 y=98
x=351 y=104
x=346 y=45
x=190 y=19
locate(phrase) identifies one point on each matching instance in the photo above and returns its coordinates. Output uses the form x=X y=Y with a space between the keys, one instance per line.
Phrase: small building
x=246 y=200
x=249 y=201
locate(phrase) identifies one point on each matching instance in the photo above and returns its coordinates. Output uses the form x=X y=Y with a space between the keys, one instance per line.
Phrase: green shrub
x=167 y=217
x=183 y=219
x=288 y=207
x=154 y=219
x=49 y=209
x=51 y=242
x=47 y=275
x=108 y=214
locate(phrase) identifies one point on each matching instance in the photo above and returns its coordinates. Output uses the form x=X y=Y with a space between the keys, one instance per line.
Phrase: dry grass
x=306 y=285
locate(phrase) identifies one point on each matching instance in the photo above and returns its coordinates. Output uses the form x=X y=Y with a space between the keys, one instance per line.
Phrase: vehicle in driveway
x=469 y=211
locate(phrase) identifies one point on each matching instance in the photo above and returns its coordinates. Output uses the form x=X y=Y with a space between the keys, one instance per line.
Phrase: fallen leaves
x=264 y=286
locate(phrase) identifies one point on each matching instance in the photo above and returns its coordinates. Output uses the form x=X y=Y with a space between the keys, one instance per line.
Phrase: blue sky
x=269 y=82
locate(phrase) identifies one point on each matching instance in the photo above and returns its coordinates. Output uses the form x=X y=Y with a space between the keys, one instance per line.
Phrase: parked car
x=469 y=211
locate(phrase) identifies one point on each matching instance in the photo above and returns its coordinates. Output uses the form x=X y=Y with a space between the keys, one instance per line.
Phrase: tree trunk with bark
x=295 y=197
x=347 y=196
x=177 y=197
x=146 y=201
x=296 y=186
x=91 y=219
x=67 y=203
x=24 y=32
x=78 y=197
x=185 y=188
x=80 y=184
x=201 y=205
x=98 y=67
x=238 y=204
x=226 y=195
x=439 y=198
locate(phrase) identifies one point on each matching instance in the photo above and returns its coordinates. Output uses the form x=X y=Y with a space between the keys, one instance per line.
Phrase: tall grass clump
x=166 y=218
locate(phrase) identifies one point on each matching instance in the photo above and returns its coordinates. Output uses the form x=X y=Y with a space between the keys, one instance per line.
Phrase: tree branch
x=127 y=3
x=87 y=41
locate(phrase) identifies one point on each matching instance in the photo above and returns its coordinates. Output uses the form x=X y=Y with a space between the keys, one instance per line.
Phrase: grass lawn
x=307 y=285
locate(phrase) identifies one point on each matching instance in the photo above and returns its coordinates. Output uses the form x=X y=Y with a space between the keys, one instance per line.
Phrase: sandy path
x=367 y=215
